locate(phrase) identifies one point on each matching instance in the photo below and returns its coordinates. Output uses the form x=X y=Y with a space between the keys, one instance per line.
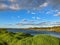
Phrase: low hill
x=55 y=28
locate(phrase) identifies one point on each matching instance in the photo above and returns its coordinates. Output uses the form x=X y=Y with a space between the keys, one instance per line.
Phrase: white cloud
x=48 y=12
x=55 y=4
x=49 y=24
x=56 y=10
x=22 y=4
x=52 y=11
x=44 y=4
x=12 y=0
x=33 y=13
x=18 y=16
x=32 y=21
x=33 y=17
x=58 y=14
x=3 y=6
x=14 y=7
x=19 y=24
x=38 y=18
x=29 y=4
x=42 y=24
x=24 y=20
x=28 y=12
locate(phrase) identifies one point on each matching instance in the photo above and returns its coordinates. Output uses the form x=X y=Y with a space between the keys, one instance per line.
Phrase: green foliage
x=40 y=40
x=19 y=38
x=21 y=35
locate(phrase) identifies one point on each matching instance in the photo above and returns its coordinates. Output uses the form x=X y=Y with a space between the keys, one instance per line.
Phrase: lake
x=34 y=32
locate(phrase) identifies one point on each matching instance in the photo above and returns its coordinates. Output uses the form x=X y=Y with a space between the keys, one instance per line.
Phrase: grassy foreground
x=19 y=38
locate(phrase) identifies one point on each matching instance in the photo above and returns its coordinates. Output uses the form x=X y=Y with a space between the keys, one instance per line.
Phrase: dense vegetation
x=19 y=38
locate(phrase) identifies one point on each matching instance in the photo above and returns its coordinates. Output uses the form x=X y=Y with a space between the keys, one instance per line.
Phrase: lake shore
x=54 y=29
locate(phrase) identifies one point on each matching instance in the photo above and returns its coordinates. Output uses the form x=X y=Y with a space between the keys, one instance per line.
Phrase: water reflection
x=34 y=32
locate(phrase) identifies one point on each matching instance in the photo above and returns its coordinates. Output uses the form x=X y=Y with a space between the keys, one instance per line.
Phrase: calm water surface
x=34 y=32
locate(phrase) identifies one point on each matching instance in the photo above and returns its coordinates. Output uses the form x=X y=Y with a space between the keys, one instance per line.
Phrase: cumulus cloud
x=38 y=18
x=49 y=24
x=14 y=7
x=34 y=17
x=22 y=4
x=54 y=3
x=29 y=4
x=48 y=12
x=58 y=14
x=19 y=24
x=33 y=13
x=12 y=0
x=3 y=6
x=44 y=4
x=42 y=24
x=24 y=20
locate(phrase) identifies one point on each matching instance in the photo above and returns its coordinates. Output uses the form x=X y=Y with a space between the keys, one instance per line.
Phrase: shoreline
x=54 y=29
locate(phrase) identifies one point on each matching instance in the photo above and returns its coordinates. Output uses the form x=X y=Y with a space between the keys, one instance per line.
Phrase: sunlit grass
x=19 y=38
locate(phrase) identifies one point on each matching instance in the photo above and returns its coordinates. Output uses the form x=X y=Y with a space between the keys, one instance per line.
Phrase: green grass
x=19 y=38
x=39 y=40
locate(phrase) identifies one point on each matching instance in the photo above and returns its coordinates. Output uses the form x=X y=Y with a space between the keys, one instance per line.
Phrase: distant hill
x=55 y=28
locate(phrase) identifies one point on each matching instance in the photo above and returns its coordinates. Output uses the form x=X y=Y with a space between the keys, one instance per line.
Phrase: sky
x=29 y=13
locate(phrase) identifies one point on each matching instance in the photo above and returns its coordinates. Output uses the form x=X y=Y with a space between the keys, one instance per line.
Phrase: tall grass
x=19 y=38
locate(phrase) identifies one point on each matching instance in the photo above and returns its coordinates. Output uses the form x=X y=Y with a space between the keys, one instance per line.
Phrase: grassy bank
x=19 y=38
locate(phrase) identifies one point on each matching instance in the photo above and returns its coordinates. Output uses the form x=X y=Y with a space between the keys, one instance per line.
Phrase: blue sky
x=22 y=18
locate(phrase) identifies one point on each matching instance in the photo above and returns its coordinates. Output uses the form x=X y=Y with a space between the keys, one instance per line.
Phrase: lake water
x=34 y=32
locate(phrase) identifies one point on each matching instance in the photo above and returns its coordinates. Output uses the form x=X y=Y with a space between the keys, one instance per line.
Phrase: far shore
x=55 y=28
